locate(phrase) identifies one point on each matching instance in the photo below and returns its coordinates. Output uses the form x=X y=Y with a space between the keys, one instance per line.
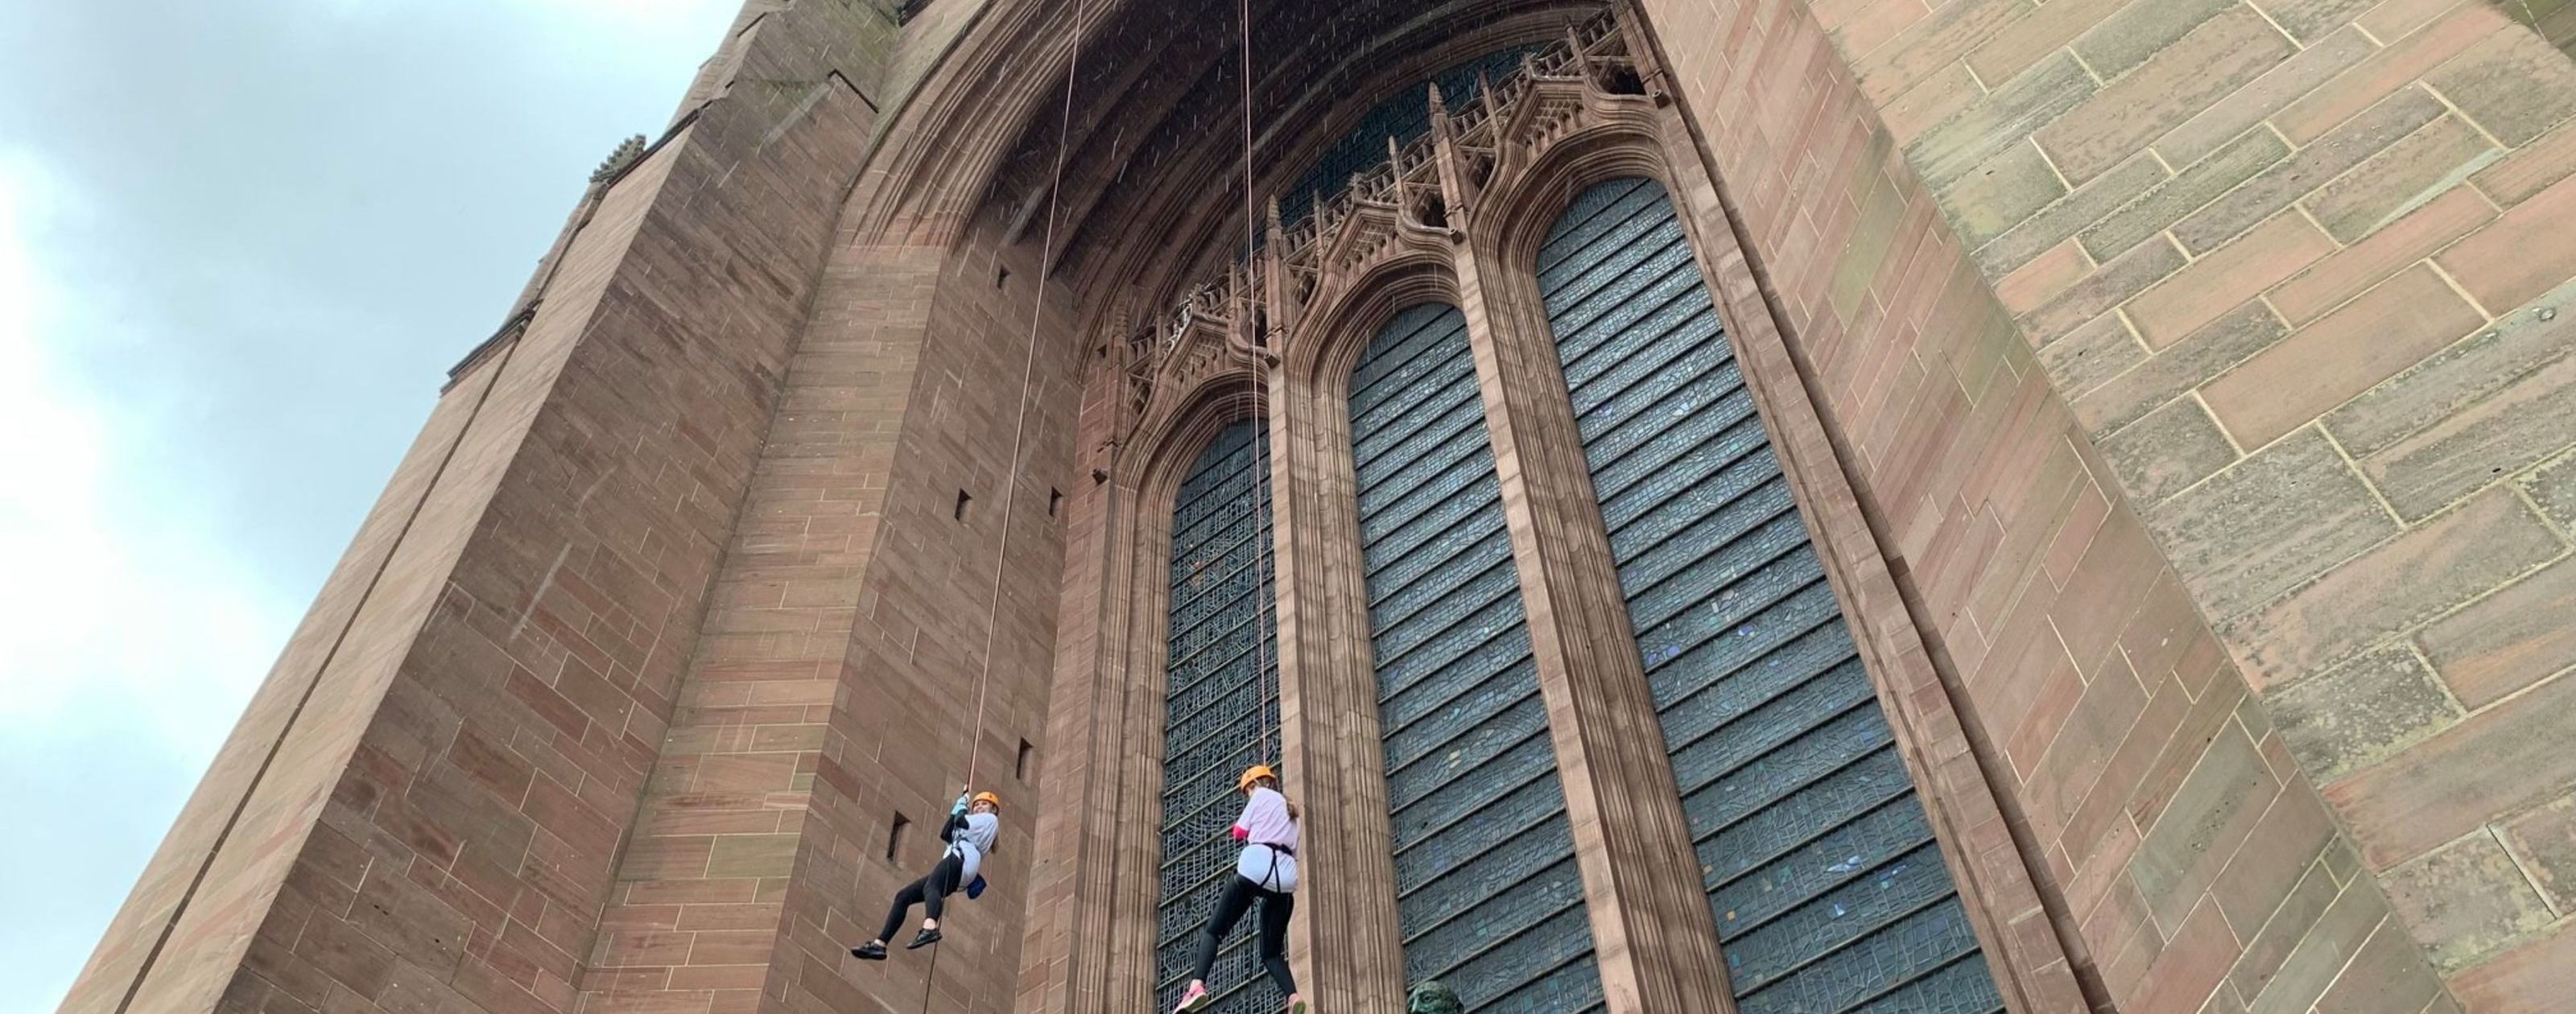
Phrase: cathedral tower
x=1713 y=506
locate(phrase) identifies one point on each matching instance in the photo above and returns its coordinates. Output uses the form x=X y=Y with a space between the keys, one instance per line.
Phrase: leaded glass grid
x=1828 y=887
x=1221 y=711
x=1487 y=894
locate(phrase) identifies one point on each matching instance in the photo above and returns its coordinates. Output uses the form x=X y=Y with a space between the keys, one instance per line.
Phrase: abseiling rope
x=1264 y=635
x=1019 y=438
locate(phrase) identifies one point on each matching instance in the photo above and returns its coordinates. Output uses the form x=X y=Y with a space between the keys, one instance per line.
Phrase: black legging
x=930 y=892
x=1275 y=907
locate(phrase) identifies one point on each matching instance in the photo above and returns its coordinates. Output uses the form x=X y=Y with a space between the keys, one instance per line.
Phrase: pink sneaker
x=1196 y=998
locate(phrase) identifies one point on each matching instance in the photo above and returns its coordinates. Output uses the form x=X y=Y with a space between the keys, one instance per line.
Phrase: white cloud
x=114 y=608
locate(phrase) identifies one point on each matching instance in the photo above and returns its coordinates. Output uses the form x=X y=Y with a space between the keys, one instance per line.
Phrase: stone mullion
x=1073 y=900
x=1128 y=982
x=1143 y=613
x=1652 y=933
x=1348 y=935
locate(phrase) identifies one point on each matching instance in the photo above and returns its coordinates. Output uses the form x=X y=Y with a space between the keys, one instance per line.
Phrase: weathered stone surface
x=2528 y=979
x=2001 y=194
x=2238 y=113
x=2211 y=814
x=2513 y=84
x=2509 y=640
x=2545 y=839
x=2079 y=209
x=2468 y=897
x=2141 y=30
x=2000 y=120
x=2553 y=488
x=2227 y=278
x=2119 y=278
x=2308 y=19
x=2321 y=954
x=2231 y=339
x=2340 y=355
x=2386 y=974
x=2521 y=255
x=1931 y=42
x=2212 y=60
x=2133 y=783
x=2036 y=34
x=2167 y=451
x=2275 y=188
x=2400 y=179
x=2460 y=376
x=2530 y=169
x=2282 y=928
x=2354 y=269
x=2414 y=577
x=2361 y=712
x=2523 y=423
x=2200 y=182
x=2445 y=786
x=2394 y=69
x=2091 y=354
x=2283 y=515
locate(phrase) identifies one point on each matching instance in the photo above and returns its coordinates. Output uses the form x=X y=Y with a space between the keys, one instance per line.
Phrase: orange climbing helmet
x=1253 y=774
x=987 y=797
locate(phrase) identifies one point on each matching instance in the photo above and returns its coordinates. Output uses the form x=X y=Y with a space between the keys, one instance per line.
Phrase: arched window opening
x=1826 y=882
x=1221 y=711
x=1488 y=896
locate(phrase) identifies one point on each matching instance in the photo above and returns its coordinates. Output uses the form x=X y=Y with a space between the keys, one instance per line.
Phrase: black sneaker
x=870 y=951
x=922 y=939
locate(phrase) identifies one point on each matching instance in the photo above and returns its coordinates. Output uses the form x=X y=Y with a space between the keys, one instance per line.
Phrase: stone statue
x=1434 y=998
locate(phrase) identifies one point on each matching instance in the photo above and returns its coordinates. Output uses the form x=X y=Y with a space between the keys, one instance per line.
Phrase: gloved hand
x=1240 y=833
x=962 y=798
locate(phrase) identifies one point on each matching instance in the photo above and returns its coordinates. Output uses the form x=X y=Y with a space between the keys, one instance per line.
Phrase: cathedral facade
x=1763 y=506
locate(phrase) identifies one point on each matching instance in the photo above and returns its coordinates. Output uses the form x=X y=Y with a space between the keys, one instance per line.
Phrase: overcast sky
x=240 y=243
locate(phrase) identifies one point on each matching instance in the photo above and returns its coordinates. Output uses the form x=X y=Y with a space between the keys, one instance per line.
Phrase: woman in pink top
x=1266 y=869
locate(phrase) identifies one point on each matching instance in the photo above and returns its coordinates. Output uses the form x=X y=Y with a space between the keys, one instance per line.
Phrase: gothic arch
x=1329 y=348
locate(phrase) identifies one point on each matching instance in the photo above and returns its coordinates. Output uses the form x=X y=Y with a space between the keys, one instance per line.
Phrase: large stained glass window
x=1828 y=888
x=1221 y=711
x=1487 y=891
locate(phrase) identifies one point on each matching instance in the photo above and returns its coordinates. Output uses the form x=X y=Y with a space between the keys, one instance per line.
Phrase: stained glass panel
x=1827 y=885
x=1221 y=710
x=1486 y=889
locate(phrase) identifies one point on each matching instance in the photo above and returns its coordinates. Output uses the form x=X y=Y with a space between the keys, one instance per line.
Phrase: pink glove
x=1240 y=833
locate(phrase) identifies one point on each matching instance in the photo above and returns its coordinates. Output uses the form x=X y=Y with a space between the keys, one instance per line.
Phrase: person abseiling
x=972 y=826
x=1266 y=869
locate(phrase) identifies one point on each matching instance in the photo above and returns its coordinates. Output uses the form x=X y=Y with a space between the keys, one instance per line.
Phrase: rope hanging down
x=1020 y=426
x=1019 y=437
x=1265 y=635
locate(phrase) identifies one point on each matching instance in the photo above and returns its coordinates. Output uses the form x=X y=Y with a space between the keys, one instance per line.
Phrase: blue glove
x=960 y=807
x=975 y=888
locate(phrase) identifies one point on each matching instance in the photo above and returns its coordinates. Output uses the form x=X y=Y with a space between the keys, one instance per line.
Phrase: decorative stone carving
x=1417 y=206
x=624 y=155
x=1209 y=332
